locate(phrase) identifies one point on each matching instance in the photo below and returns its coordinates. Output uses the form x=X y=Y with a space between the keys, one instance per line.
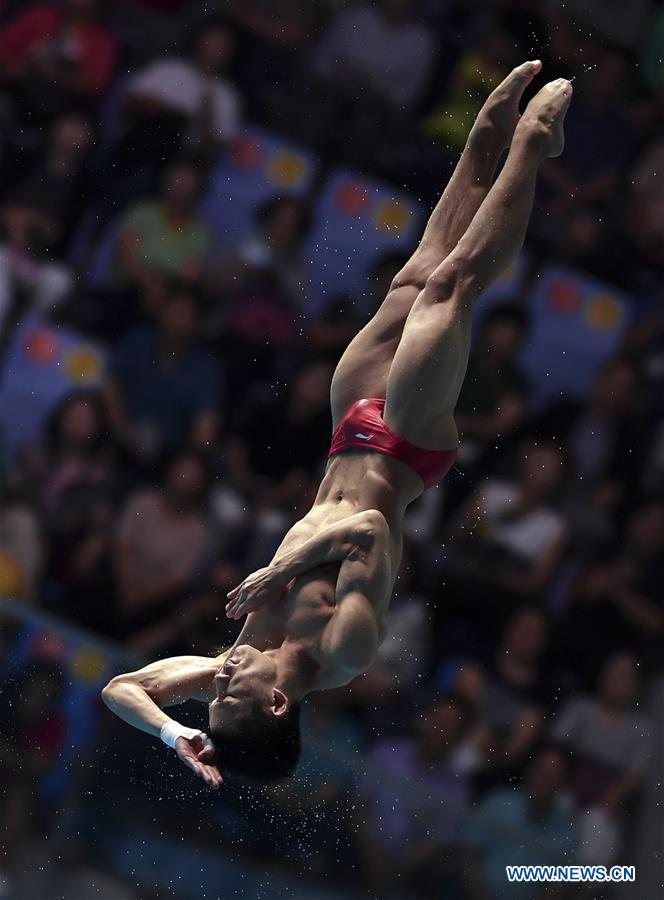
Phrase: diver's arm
x=363 y=588
x=332 y=544
x=138 y=697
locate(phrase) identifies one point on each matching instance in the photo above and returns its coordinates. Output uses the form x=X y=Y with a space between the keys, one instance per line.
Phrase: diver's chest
x=311 y=601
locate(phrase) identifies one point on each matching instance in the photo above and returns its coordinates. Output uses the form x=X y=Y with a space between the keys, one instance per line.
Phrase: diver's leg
x=430 y=362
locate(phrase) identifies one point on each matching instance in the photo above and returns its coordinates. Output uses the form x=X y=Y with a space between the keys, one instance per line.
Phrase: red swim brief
x=363 y=428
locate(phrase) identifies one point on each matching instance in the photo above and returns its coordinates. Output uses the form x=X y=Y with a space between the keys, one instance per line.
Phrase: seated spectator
x=510 y=689
x=31 y=280
x=273 y=251
x=370 y=71
x=163 y=391
x=511 y=534
x=528 y=825
x=164 y=236
x=57 y=55
x=273 y=458
x=70 y=479
x=195 y=89
x=22 y=551
x=604 y=438
x=416 y=798
x=611 y=742
x=299 y=426
x=161 y=543
x=599 y=145
x=383 y=51
x=55 y=186
x=194 y=627
x=495 y=392
x=620 y=586
x=479 y=70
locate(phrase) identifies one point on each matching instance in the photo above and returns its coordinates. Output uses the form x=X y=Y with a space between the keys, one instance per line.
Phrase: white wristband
x=172 y=730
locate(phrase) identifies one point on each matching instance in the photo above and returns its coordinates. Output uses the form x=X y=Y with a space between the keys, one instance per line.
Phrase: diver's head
x=255 y=726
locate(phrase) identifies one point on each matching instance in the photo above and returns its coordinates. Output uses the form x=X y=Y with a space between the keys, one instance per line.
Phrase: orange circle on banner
x=286 y=169
x=11 y=577
x=564 y=297
x=390 y=216
x=83 y=364
x=351 y=199
x=603 y=313
x=245 y=154
x=89 y=665
x=41 y=347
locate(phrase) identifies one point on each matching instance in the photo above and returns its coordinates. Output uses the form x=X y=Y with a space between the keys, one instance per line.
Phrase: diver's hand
x=197 y=756
x=259 y=590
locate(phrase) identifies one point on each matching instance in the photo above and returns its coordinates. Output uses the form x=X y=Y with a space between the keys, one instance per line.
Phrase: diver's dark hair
x=261 y=746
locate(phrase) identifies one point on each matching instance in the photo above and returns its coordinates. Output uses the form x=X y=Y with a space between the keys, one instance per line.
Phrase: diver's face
x=247 y=676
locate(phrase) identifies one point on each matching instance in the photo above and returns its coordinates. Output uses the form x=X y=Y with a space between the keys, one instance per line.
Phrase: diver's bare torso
x=354 y=482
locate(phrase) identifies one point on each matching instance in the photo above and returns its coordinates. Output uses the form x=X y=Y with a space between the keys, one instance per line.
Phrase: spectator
x=599 y=144
x=273 y=251
x=611 y=743
x=22 y=553
x=604 y=439
x=621 y=587
x=56 y=186
x=298 y=424
x=382 y=51
x=57 y=55
x=161 y=542
x=190 y=628
x=511 y=534
x=194 y=90
x=478 y=71
x=495 y=392
x=273 y=458
x=528 y=825
x=71 y=480
x=31 y=280
x=416 y=798
x=163 y=390
x=510 y=689
x=164 y=236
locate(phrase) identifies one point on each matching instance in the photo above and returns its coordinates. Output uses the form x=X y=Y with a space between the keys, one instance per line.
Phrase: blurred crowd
x=504 y=720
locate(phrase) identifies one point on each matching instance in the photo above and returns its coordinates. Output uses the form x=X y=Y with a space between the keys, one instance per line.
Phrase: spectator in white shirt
x=196 y=88
x=511 y=533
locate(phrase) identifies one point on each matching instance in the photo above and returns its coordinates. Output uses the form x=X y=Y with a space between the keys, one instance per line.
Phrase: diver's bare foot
x=500 y=114
x=542 y=124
